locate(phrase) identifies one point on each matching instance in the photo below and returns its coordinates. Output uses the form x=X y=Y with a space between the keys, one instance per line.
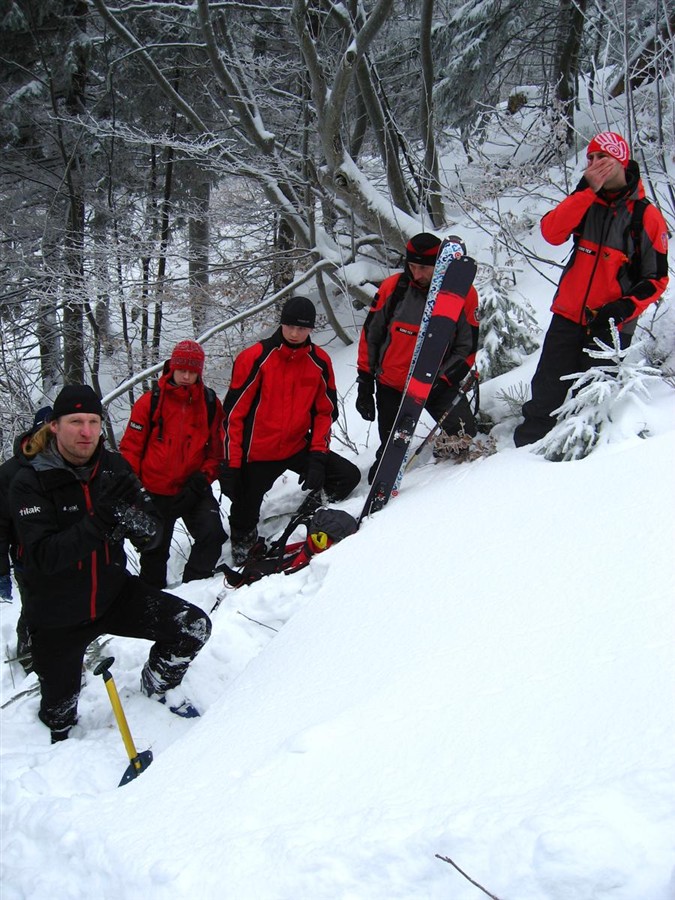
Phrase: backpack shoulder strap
x=154 y=400
x=210 y=397
x=634 y=230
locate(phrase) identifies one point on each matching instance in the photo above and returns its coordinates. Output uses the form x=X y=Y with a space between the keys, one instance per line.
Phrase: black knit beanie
x=76 y=398
x=298 y=311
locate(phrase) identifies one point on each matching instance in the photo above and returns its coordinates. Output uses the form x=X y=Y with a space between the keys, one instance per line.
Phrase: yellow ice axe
x=139 y=762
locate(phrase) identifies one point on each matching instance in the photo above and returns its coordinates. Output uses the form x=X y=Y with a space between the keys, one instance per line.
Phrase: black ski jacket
x=7 y=534
x=73 y=572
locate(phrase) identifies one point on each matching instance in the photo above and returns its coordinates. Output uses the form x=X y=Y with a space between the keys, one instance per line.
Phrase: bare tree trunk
x=198 y=269
x=571 y=19
x=431 y=188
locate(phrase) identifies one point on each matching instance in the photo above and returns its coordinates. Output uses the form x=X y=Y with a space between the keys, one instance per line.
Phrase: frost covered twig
x=468 y=878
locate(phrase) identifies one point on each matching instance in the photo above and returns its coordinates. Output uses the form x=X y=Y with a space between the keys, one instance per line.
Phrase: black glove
x=230 y=481
x=457 y=373
x=198 y=483
x=365 y=400
x=619 y=310
x=313 y=477
x=115 y=497
x=196 y=487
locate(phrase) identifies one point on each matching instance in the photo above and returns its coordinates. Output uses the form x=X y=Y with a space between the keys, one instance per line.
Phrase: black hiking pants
x=562 y=353
x=203 y=522
x=342 y=476
x=178 y=629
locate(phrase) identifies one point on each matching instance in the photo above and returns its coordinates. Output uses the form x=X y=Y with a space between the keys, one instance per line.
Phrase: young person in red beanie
x=388 y=341
x=279 y=410
x=174 y=444
x=618 y=267
x=73 y=503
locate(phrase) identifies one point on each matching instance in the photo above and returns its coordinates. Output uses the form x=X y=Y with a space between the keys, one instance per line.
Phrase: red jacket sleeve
x=135 y=437
x=324 y=407
x=215 y=451
x=237 y=403
x=558 y=224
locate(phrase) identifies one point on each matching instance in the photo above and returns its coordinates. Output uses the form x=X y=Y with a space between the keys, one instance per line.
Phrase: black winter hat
x=422 y=249
x=42 y=416
x=298 y=311
x=77 y=398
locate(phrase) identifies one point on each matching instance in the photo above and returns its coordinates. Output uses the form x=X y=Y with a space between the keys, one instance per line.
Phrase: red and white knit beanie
x=422 y=249
x=611 y=143
x=187 y=356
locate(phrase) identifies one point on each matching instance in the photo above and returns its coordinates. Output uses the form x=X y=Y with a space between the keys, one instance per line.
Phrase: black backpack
x=325 y=527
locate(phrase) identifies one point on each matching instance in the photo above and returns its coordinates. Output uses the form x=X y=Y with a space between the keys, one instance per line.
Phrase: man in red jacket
x=174 y=444
x=278 y=415
x=619 y=265
x=388 y=341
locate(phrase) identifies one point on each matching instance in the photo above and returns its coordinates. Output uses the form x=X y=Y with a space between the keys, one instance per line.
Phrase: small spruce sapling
x=597 y=398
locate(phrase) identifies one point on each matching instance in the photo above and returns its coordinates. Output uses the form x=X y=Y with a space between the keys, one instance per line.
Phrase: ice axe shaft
x=139 y=762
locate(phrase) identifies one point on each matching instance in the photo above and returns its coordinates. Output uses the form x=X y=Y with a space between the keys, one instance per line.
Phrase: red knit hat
x=188 y=356
x=422 y=249
x=611 y=143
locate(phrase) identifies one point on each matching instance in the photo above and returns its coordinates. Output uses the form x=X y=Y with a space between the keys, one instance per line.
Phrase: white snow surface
x=484 y=672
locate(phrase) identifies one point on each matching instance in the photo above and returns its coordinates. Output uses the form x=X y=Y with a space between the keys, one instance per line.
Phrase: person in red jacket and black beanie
x=388 y=340
x=279 y=409
x=73 y=503
x=619 y=265
x=174 y=444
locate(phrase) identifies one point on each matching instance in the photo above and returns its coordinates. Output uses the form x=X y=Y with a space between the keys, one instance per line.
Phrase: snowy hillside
x=484 y=672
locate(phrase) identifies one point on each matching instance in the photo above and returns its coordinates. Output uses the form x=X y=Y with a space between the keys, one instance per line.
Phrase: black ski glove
x=115 y=497
x=457 y=373
x=196 y=487
x=313 y=477
x=365 y=400
x=619 y=310
x=198 y=483
x=230 y=481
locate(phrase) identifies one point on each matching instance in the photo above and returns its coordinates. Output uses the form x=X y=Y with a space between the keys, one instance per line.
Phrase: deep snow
x=484 y=672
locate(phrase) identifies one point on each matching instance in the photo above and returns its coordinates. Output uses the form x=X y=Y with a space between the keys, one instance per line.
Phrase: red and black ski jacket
x=390 y=331
x=609 y=261
x=167 y=444
x=71 y=572
x=281 y=400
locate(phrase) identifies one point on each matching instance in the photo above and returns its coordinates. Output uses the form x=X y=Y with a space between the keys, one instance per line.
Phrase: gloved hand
x=457 y=373
x=115 y=496
x=365 y=399
x=619 y=310
x=198 y=483
x=5 y=587
x=313 y=477
x=230 y=481
x=196 y=487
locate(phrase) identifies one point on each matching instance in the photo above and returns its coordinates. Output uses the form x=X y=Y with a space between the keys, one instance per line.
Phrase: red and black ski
x=453 y=276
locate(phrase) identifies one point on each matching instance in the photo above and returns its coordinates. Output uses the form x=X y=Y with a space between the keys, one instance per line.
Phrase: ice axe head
x=138 y=762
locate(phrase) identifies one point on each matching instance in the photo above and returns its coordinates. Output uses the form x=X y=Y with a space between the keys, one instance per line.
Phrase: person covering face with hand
x=279 y=409
x=618 y=267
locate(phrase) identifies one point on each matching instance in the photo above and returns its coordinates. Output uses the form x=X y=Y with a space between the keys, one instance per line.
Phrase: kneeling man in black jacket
x=73 y=503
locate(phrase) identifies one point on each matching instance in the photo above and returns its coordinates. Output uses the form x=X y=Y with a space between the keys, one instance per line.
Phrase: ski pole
x=139 y=762
x=470 y=379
